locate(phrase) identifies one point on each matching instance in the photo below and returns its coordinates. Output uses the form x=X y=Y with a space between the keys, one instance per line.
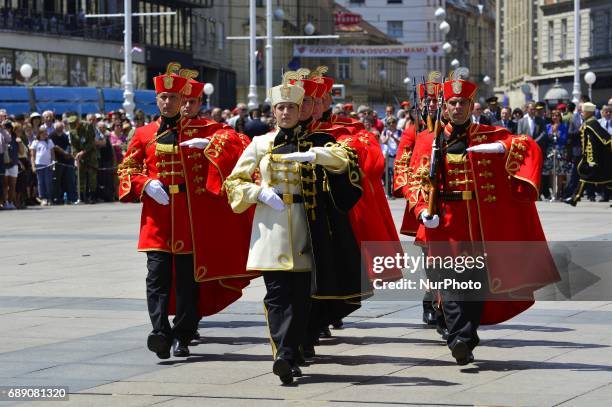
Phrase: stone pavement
x=72 y=313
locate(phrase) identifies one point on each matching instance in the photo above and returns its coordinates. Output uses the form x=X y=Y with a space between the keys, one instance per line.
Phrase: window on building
x=395 y=29
x=551 y=40
x=394 y=1
x=609 y=26
x=602 y=28
x=564 y=38
x=357 y=1
x=213 y=33
x=344 y=68
x=591 y=35
x=220 y=36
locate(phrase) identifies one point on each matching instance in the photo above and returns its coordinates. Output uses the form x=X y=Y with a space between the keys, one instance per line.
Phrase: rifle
x=436 y=157
x=415 y=98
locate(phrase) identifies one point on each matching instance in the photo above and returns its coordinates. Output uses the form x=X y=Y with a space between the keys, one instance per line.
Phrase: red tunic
x=400 y=177
x=198 y=208
x=504 y=188
x=370 y=218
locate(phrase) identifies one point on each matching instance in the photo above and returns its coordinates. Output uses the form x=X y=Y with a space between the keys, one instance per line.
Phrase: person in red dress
x=486 y=186
x=180 y=190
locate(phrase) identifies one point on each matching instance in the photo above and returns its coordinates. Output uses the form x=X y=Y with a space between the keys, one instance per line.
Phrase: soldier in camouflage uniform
x=83 y=142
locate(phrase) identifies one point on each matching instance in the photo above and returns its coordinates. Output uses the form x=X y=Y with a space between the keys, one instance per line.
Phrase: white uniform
x=275 y=245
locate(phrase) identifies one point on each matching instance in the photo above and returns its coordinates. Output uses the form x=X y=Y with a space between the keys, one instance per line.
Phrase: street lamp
x=26 y=72
x=445 y=27
x=209 y=89
x=440 y=13
x=486 y=80
x=455 y=63
x=590 y=79
x=408 y=82
x=309 y=28
x=447 y=47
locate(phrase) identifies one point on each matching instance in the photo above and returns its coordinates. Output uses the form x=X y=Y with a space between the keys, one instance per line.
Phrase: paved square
x=73 y=313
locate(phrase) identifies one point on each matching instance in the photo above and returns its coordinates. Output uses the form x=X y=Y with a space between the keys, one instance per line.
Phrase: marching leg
x=185 y=323
x=159 y=282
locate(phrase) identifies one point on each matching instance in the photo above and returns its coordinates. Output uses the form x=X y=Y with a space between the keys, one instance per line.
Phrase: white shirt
x=43 y=151
x=531 y=121
x=606 y=124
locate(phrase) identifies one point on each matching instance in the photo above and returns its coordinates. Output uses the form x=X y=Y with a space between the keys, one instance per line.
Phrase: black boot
x=181 y=348
x=309 y=351
x=338 y=324
x=282 y=369
x=325 y=333
x=462 y=353
x=296 y=371
x=159 y=344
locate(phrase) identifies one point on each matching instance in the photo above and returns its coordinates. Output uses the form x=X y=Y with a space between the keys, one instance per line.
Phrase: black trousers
x=462 y=320
x=287 y=306
x=159 y=284
x=325 y=312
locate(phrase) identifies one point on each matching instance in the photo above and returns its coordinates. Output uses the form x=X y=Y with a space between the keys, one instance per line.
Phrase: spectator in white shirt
x=48 y=118
x=43 y=158
x=606 y=118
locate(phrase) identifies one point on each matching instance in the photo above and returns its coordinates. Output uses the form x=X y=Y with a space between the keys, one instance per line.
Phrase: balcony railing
x=61 y=24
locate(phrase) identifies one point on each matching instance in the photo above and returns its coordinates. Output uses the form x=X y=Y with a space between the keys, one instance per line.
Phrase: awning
x=145 y=100
x=113 y=99
x=15 y=99
x=63 y=99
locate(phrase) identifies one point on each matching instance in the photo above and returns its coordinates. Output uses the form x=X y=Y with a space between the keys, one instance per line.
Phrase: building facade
x=472 y=37
x=290 y=19
x=407 y=21
x=65 y=48
x=536 y=48
x=212 y=52
x=374 y=81
x=516 y=33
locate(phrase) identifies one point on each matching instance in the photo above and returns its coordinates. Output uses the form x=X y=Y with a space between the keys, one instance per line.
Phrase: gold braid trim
x=401 y=169
x=130 y=166
x=353 y=167
x=420 y=184
x=516 y=155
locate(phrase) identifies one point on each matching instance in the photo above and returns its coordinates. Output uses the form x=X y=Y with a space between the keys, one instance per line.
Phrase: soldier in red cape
x=371 y=217
x=176 y=189
x=428 y=93
x=486 y=187
x=220 y=278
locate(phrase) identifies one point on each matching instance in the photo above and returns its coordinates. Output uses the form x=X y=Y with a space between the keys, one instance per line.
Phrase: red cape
x=506 y=187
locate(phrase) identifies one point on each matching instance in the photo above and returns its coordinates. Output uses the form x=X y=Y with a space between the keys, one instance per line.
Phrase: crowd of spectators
x=50 y=159
x=556 y=129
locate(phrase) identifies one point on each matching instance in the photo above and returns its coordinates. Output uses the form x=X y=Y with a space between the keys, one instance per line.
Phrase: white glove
x=270 y=198
x=155 y=189
x=430 y=223
x=307 y=156
x=200 y=143
x=497 y=148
